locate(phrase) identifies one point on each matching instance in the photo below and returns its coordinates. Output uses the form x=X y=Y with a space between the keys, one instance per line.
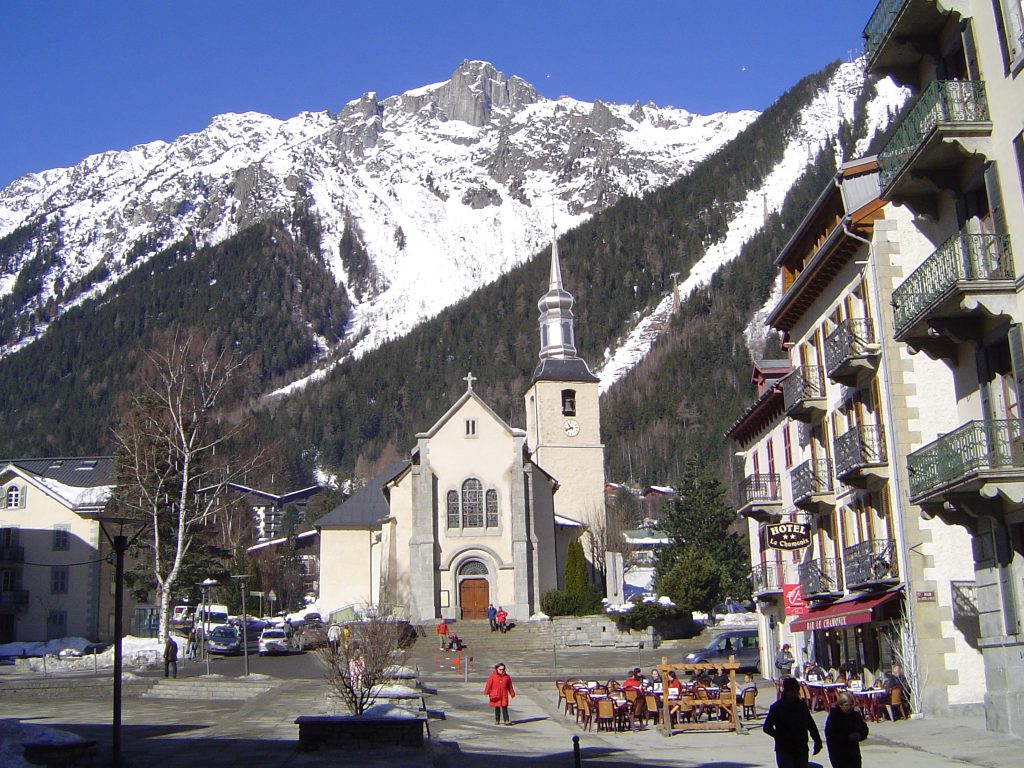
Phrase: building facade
x=955 y=167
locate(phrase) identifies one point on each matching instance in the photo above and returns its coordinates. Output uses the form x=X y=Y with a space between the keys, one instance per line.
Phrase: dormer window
x=568 y=402
x=88 y=464
x=13 y=497
x=470 y=427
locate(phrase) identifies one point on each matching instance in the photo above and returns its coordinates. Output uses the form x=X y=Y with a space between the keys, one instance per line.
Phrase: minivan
x=741 y=643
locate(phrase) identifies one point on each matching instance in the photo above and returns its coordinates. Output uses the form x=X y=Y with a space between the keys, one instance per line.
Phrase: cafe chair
x=605 y=715
x=653 y=710
x=750 y=703
x=584 y=711
x=560 y=686
x=896 y=704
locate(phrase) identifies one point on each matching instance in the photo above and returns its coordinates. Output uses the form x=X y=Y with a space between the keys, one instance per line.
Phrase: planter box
x=344 y=731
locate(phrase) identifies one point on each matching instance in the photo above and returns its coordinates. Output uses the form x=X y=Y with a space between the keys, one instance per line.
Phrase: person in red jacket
x=499 y=690
x=442 y=633
x=502 y=618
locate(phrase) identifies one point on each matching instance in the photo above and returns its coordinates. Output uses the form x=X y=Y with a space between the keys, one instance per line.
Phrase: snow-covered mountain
x=444 y=187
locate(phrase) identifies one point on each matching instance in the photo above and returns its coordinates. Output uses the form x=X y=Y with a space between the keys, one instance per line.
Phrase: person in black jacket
x=845 y=729
x=789 y=722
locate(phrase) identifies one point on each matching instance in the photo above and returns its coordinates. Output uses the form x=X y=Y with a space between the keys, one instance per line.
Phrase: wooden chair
x=613 y=685
x=605 y=714
x=599 y=691
x=652 y=709
x=569 y=694
x=896 y=704
x=634 y=712
x=584 y=712
x=560 y=685
x=750 y=703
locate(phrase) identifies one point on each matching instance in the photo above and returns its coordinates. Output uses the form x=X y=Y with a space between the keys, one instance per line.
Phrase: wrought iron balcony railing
x=879 y=24
x=964 y=257
x=820 y=577
x=759 y=488
x=770 y=577
x=870 y=562
x=803 y=383
x=811 y=478
x=12 y=554
x=851 y=339
x=13 y=600
x=862 y=446
x=943 y=101
x=974 y=447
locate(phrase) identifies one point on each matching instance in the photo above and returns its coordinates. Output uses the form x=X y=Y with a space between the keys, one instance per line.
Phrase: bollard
x=465 y=670
x=554 y=655
x=95 y=664
x=576 y=750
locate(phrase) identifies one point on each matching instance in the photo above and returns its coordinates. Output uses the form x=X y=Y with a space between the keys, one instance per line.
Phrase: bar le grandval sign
x=788 y=535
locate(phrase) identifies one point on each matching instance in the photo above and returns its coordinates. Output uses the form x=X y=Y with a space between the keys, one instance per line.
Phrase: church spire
x=557 y=332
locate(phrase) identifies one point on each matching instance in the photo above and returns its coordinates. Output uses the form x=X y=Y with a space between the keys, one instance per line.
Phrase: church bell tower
x=563 y=420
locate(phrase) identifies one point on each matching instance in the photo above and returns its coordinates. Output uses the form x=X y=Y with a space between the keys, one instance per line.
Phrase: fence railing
x=851 y=338
x=804 y=383
x=862 y=446
x=820 y=577
x=810 y=478
x=769 y=577
x=870 y=562
x=758 y=488
x=879 y=24
x=976 y=446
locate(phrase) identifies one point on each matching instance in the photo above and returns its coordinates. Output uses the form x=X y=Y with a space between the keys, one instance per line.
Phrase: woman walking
x=499 y=690
x=845 y=729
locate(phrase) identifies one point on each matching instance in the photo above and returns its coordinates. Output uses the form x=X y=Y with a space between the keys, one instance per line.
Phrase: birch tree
x=168 y=470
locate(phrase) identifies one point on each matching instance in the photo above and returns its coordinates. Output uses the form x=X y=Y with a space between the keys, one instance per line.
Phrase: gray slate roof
x=365 y=507
x=76 y=471
x=569 y=369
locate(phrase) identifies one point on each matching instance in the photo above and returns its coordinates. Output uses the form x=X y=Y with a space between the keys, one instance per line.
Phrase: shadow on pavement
x=450 y=756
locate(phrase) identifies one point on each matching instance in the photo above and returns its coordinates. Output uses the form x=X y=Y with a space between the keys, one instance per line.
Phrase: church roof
x=469 y=393
x=564 y=369
x=365 y=507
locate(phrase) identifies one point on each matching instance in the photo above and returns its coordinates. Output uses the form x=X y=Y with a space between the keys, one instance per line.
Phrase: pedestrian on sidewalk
x=845 y=729
x=789 y=722
x=442 y=634
x=170 y=657
x=499 y=690
x=784 y=661
x=502 y=618
x=492 y=617
x=193 y=644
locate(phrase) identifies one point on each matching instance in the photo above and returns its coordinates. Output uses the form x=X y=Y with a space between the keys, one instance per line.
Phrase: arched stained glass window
x=472 y=504
x=453 y=509
x=492 y=508
x=473 y=568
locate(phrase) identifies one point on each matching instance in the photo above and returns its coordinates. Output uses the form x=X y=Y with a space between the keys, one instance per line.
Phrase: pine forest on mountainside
x=268 y=291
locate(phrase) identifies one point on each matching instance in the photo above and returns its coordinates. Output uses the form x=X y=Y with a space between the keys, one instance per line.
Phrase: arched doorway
x=474 y=590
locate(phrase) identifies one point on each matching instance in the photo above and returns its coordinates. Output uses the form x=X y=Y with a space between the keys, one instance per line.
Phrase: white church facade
x=481 y=512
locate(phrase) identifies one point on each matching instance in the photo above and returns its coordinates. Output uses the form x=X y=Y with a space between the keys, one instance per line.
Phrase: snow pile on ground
x=389 y=710
x=138 y=653
x=401 y=673
x=40 y=648
x=14 y=733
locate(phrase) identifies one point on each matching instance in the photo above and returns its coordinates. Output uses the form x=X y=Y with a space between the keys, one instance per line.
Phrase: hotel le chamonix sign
x=788 y=535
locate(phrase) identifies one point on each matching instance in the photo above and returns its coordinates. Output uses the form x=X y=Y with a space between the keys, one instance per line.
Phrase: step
x=227 y=690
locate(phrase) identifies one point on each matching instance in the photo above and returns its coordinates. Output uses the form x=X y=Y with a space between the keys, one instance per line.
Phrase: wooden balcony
x=941 y=142
x=759 y=497
x=803 y=394
x=871 y=564
x=967 y=278
x=901 y=32
x=975 y=470
x=860 y=456
x=852 y=351
x=768 y=578
x=813 y=488
x=820 y=579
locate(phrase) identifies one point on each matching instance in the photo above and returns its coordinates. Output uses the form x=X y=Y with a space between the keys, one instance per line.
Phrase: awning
x=849 y=613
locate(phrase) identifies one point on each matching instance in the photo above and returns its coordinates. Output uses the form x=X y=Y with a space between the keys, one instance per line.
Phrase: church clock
x=571 y=427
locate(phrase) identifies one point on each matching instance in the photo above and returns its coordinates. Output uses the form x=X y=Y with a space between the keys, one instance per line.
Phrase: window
x=61 y=538
x=1018 y=145
x=453 y=509
x=492 y=508
x=568 y=402
x=56 y=624
x=8 y=580
x=58 y=579
x=472 y=504
x=473 y=568
x=470 y=427
x=8 y=537
x=13 y=497
x=787 y=446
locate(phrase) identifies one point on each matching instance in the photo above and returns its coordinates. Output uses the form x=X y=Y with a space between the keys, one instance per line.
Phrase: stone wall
x=595 y=631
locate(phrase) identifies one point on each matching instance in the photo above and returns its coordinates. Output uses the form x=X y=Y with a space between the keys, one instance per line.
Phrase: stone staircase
x=209 y=689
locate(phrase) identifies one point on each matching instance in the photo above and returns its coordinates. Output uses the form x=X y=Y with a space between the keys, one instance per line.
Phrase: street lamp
x=205 y=585
x=119 y=543
x=245 y=624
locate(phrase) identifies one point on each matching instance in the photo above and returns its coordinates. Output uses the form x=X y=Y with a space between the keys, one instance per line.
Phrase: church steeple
x=557 y=326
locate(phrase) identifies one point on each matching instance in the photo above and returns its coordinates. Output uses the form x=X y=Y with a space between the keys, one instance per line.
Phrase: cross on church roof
x=469 y=379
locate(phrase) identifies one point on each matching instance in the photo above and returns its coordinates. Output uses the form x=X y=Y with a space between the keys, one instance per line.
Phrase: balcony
x=12 y=554
x=820 y=579
x=803 y=394
x=871 y=564
x=14 y=601
x=851 y=352
x=861 y=459
x=768 y=578
x=759 y=496
x=900 y=33
x=812 y=485
x=969 y=276
x=975 y=468
x=942 y=140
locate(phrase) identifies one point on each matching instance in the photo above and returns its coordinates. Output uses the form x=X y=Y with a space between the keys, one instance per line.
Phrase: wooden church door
x=474 y=596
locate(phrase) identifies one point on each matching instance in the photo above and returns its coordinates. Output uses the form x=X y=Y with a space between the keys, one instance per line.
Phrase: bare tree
x=365 y=658
x=168 y=472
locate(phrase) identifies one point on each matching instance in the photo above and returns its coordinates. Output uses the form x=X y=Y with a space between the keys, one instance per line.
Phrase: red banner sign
x=794 y=601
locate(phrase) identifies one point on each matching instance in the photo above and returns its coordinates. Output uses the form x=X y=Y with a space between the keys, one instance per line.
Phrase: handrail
x=861 y=446
x=975 y=446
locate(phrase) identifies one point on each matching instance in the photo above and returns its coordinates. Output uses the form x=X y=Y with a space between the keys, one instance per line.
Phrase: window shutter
x=970 y=51
x=1003 y=39
x=1017 y=362
x=3 y=498
x=23 y=496
x=995 y=199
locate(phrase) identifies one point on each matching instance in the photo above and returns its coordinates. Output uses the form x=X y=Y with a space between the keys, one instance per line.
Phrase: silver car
x=274 y=641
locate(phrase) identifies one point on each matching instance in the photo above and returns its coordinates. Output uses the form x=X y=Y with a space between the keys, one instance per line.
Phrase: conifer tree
x=575 y=570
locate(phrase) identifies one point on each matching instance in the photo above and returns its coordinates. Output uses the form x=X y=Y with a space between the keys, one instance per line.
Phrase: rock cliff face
x=443 y=188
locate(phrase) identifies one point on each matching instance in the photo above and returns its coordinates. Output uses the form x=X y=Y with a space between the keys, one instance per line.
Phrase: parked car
x=312 y=634
x=741 y=643
x=228 y=640
x=274 y=641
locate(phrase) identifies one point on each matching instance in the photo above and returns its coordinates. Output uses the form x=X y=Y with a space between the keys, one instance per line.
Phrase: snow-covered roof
x=567 y=521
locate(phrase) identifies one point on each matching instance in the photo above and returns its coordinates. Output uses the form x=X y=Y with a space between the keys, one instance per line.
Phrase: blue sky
x=84 y=77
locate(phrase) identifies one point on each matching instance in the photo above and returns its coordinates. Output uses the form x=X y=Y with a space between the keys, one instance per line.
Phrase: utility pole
x=243 y=580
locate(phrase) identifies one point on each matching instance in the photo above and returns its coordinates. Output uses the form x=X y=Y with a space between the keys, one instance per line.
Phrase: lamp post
x=245 y=623
x=119 y=542
x=205 y=585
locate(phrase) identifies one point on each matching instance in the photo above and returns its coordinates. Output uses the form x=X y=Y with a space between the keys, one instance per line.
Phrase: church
x=481 y=512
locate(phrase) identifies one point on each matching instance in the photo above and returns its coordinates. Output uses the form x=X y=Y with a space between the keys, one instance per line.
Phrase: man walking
x=170 y=657
x=492 y=617
x=789 y=722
